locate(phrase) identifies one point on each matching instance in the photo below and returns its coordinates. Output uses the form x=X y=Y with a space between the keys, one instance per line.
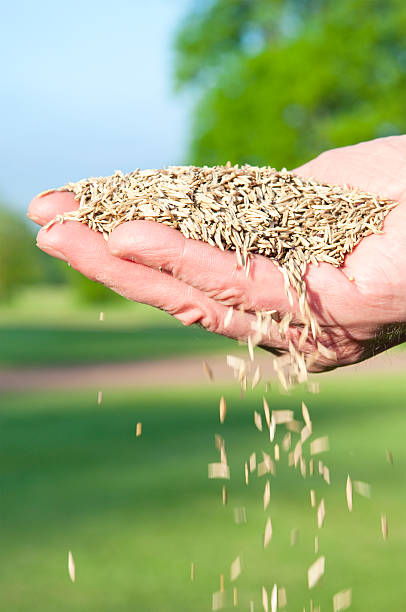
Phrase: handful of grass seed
x=292 y=220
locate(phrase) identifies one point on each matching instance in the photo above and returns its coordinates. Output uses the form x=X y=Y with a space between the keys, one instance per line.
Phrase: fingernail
x=53 y=252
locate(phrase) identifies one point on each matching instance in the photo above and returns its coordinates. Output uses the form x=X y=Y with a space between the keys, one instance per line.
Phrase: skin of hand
x=361 y=307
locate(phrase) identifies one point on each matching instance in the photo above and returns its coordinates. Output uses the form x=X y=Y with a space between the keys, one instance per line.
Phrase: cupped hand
x=361 y=307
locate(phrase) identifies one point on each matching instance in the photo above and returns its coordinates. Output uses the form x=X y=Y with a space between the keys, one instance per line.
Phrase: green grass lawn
x=48 y=327
x=136 y=511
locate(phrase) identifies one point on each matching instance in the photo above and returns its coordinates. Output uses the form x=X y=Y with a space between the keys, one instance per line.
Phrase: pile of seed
x=294 y=221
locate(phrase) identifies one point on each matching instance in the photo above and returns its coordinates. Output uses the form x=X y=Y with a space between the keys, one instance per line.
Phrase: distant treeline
x=23 y=264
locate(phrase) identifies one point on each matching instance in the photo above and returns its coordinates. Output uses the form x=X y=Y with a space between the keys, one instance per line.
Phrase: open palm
x=361 y=307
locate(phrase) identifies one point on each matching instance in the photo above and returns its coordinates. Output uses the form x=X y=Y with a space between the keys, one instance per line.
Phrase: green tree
x=279 y=81
x=21 y=263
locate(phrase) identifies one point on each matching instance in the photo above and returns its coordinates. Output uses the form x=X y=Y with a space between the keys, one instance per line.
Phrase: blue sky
x=85 y=90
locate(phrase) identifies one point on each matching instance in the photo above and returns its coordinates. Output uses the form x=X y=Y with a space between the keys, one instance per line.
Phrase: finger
x=43 y=209
x=202 y=266
x=87 y=252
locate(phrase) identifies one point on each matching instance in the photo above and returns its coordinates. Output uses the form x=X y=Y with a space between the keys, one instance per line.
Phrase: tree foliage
x=278 y=81
x=20 y=261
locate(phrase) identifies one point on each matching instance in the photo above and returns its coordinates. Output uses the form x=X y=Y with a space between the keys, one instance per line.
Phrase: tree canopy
x=279 y=81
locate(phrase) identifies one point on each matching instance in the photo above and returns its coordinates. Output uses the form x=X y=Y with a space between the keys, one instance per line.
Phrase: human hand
x=151 y=263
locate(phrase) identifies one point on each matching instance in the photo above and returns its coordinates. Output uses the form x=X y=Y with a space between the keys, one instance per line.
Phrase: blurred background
x=90 y=87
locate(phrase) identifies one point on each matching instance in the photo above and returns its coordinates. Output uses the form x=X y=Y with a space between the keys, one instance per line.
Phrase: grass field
x=136 y=511
x=46 y=326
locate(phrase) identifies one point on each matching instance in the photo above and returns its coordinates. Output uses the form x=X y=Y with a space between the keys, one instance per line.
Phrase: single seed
x=384 y=527
x=268 y=532
x=99 y=397
x=235 y=569
x=71 y=567
x=258 y=420
x=315 y=572
x=192 y=571
x=138 y=429
x=208 y=371
x=267 y=494
x=348 y=493
x=223 y=409
x=312 y=498
x=342 y=600
x=319 y=445
x=101 y=316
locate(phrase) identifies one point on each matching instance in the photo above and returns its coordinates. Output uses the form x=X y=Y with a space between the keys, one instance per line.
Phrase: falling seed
x=274 y=599
x=389 y=457
x=294 y=426
x=265 y=603
x=138 y=429
x=312 y=498
x=342 y=600
x=258 y=420
x=272 y=430
x=316 y=545
x=224 y=495
x=268 y=532
x=277 y=452
x=228 y=317
x=303 y=470
x=250 y=348
x=99 y=397
x=282 y=416
x=256 y=378
x=319 y=445
x=219 y=470
x=101 y=316
x=321 y=468
x=222 y=583
x=252 y=609
x=305 y=433
x=311 y=467
x=192 y=571
x=306 y=416
x=236 y=363
x=362 y=488
x=297 y=453
x=235 y=597
x=219 y=600
x=384 y=527
x=267 y=413
x=218 y=441
x=321 y=513
x=267 y=494
x=223 y=409
x=326 y=474
x=315 y=572
x=71 y=567
x=262 y=469
x=294 y=536
x=282 y=600
x=240 y=515
x=235 y=569
x=253 y=462
x=246 y=473
x=348 y=493
x=269 y=463
x=208 y=371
